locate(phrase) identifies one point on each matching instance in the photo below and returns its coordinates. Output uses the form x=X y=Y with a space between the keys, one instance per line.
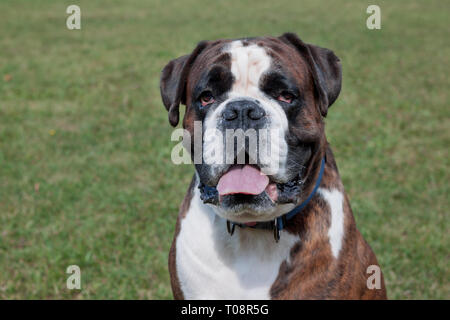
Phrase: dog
x=254 y=229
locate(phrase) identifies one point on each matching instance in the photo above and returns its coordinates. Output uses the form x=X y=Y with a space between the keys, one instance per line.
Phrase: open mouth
x=246 y=180
x=244 y=184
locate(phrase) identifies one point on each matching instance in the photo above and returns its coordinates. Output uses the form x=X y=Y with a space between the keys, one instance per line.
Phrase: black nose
x=246 y=111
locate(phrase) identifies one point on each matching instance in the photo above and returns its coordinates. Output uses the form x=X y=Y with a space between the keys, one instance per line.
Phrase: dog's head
x=256 y=108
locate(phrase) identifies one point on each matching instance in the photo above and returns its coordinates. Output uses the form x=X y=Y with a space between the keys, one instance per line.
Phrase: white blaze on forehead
x=248 y=63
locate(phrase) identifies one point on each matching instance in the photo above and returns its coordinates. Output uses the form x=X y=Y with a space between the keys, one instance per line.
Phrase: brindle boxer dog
x=281 y=229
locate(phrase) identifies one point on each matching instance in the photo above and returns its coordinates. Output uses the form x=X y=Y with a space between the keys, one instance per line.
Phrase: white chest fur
x=211 y=264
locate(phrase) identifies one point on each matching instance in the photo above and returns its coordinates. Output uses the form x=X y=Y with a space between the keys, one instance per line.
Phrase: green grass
x=85 y=170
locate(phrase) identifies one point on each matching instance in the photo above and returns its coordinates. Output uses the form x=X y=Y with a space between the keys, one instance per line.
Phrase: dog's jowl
x=277 y=226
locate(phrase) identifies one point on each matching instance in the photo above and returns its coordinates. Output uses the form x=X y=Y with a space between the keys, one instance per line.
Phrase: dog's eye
x=285 y=97
x=206 y=98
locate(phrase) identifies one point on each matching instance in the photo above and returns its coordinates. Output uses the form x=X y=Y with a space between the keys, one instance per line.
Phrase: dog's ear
x=325 y=68
x=173 y=82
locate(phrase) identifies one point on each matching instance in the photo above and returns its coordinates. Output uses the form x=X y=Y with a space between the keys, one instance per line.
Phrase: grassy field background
x=85 y=170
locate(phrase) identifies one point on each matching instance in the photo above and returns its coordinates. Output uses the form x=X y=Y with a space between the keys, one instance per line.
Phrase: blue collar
x=279 y=223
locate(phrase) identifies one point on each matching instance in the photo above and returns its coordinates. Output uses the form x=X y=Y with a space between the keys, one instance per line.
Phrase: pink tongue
x=247 y=180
